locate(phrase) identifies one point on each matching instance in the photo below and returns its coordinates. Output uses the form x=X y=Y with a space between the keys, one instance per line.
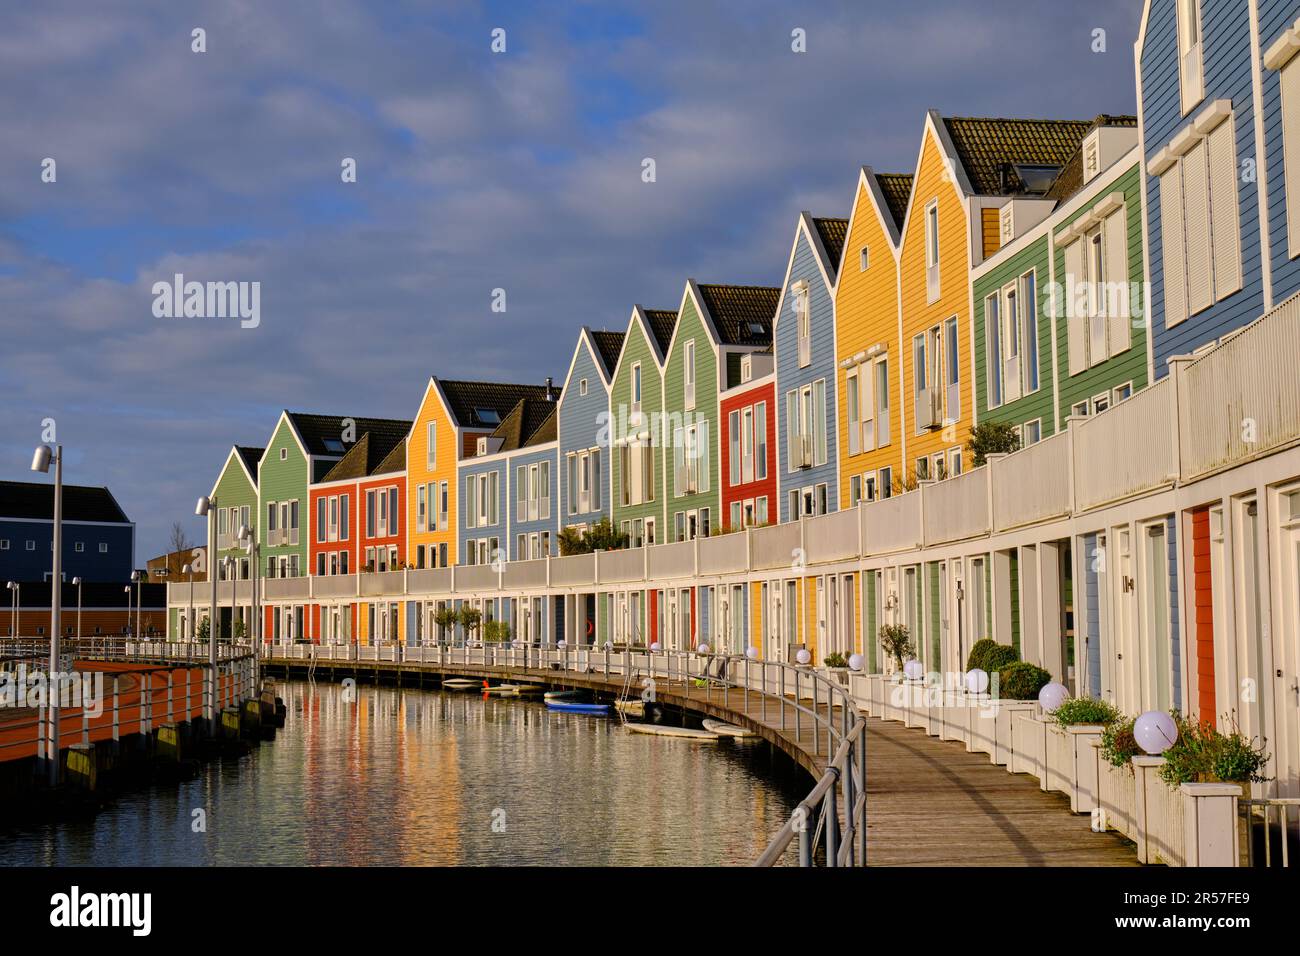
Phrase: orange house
x=868 y=366
x=967 y=170
x=453 y=416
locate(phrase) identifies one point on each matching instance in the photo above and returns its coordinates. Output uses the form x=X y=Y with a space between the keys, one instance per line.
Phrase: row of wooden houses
x=791 y=464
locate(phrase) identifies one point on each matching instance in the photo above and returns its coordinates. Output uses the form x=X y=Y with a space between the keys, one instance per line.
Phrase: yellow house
x=967 y=171
x=868 y=368
x=452 y=417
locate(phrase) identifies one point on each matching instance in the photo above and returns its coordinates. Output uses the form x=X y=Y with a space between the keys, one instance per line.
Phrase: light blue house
x=1197 y=110
x=509 y=506
x=584 y=467
x=803 y=334
x=1279 y=95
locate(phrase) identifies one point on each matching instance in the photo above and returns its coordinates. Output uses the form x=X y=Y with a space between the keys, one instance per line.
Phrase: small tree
x=496 y=632
x=896 y=642
x=446 y=618
x=470 y=619
x=201 y=632
x=603 y=536
x=991 y=438
x=571 y=541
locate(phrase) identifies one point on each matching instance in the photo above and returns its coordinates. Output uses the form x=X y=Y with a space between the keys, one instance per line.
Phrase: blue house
x=509 y=508
x=1205 y=171
x=803 y=335
x=584 y=476
x=1279 y=95
x=98 y=538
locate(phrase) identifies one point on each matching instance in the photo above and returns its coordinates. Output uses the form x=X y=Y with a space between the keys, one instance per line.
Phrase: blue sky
x=475 y=170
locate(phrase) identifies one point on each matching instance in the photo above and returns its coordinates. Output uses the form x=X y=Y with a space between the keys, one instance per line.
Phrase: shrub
x=1118 y=746
x=1204 y=755
x=1000 y=656
x=991 y=438
x=1085 y=710
x=976 y=658
x=496 y=632
x=896 y=642
x=1021 y=681
x=836 y=659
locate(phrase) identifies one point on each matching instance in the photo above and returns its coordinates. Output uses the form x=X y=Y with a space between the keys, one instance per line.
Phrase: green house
x=1059 y=317
x=635 y=407
x=716 y=326
x=302 y=449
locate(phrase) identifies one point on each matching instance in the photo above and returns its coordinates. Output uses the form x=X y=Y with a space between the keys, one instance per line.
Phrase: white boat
x=725 y=729
x=660 y=730
x=633 y=708
x=462 y=683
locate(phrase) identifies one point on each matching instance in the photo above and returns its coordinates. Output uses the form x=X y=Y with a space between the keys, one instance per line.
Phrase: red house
x=748 y=475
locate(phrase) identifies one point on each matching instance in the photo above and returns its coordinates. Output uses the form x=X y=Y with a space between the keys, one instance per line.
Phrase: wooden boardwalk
x=930 y=803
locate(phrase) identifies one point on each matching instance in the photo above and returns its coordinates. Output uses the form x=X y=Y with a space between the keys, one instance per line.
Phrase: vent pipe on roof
x=549 y=396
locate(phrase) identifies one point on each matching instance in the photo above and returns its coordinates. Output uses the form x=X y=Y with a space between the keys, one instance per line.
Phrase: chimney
x=549 y=396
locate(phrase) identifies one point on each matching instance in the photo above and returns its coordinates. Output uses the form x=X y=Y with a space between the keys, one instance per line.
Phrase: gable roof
x=369 y=455
x=832 y=232
x=315 y=430
x=896 y=188
x=250 y=456
x=741 y=314
x=395 y=460
x=464 y=398
x=35 y=499
x=609 y=345
x=521 y=426
x=1070 y=179
x=989 y=149
x=662 y=322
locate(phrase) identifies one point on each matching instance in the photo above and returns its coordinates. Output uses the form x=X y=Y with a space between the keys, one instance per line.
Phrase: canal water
x=384 y=776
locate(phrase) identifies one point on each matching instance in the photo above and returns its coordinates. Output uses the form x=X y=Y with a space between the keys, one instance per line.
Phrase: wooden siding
x=580 y=428
x=284 y=481
x=1227 y=71
x=1203 y=620
x=1275 y=17
x=637 y=348
x=866 y=314
x=418 y=473
x=739 y=399
x=789 y=374
x=1131 y=364
x=934 y=182
x=690 y=327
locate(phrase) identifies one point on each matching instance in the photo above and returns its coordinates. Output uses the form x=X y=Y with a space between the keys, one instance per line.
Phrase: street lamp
x=230 y=564
x=137 y=577
x=162 y=573
x=77 y=582
x=129 y=632
x=204 y=505
x=249 y=541
x=13 y=608
x=41 y=460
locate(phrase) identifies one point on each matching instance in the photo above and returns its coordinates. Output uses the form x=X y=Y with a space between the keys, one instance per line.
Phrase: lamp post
x=231 y=564
x=41 y=460
x=138 y=578
x=129 y=632
x=246 y=539
x=162 y=573
x=204 y=505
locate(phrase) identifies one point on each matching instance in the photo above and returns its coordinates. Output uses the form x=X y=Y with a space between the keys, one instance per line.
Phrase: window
x=1289 y=84
x=864 y=259
x=932 y=250
x=886 y=482
x=1033 y=431
x=1191 y=80
x=952 y=367
x=733 y=445
x=320 y=563
x=284 y=454
x=582 y=386
x=690 y=374
x=747 y=445
x=421 y=510
x=636 y=388
x=1199 y=220
x=320 y=519
x=804 y=322
x=471 y=502
x=1100 y=403
x=869 y=486
x=760 y=511
x=1121 y=392
x=1079 y=409
x=736 y=520
x=4 y=544
x=1011 y=340
x=343 y=517
x=954 y=462
x=370 y=514
x=923 y=469
x=81 y=546
x=431 y=446
x=103 y=547
x=760 y=441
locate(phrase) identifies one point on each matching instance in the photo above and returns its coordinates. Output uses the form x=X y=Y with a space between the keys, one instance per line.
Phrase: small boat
x=562 y=694
x=528 y=690
x=660 y=730
x=503 y=690
x=725 y=729
x=633 y=708
x=574 y=707
x=461 y=683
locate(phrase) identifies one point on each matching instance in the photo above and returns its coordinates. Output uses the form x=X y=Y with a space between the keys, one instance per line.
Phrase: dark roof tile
x=323 y=434
x=833 y=233
x=989 y=149
x=35 y=499
x=897 y=190
x=662 y=324
x=609 y=345
x=485 y=404
x=742 y=314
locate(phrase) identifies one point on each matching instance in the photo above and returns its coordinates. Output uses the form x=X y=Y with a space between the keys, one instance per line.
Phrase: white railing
x=676 y=560
x=381 y=583
x=573 y=570
x=334 y=585
x=284 y=588
x=776 y=545
x=526 y=574
x=958 y=507
x=1126 y=450
x=1241 y=399
x=1026 y=488
x=724 y=554
x=833 y=537
x=892 y=524
x=620 y=566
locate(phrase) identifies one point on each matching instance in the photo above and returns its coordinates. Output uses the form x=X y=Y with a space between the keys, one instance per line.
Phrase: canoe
x=660 y=730
x=461 y=683
x=571 y=707
x=725 y=729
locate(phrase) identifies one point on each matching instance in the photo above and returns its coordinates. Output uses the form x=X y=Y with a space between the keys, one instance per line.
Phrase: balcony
x=832 y=537
x=334 y=586
x=620 y=566
x=526 y=574
x=957 y=508
x=1126 y=450
x=776 y=546
x=892 y=524
x=676 y=560
x=724 y=554
x=573 y=571
x=286 y=589
x=1033 y=484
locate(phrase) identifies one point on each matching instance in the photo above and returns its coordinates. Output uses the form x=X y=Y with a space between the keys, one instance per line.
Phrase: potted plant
x=1020 y=735
x=1203 y=754
x=446 y=618
x=469 y=618
x=1071 y=758
x=496 y=632
x=897 y=644
x=837 y=665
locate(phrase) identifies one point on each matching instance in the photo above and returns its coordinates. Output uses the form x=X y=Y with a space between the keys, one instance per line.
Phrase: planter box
x=1028 y=741
x=1159 y=813
x=860 y=691
x=1115 y=796
x=1006 y=711
x=952 y=716
x=1071 y=763
x=981 y=724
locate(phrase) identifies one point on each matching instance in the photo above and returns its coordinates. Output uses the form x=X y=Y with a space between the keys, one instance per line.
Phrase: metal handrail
x=1282 y=805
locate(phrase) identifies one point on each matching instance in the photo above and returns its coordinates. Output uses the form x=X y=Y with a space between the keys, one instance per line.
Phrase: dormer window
x=757 y=329
x=487 y=416
x=334 y=445
x=1091 y=156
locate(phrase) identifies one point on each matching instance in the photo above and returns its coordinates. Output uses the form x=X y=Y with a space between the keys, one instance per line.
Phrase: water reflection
x=408 y=777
